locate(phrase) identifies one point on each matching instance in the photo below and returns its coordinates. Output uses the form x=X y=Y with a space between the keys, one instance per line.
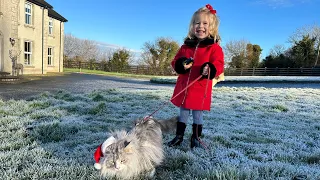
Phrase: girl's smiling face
x=201 y=26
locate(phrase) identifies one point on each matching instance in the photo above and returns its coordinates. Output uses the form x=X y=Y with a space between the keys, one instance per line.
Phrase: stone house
x=34 y=33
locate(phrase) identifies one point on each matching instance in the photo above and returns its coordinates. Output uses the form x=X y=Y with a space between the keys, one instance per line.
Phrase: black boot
x=181 y=127
x=196 y=133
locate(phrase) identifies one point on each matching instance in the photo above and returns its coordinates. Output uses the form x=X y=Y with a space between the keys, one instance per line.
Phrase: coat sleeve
x=217 y=59
x=177 y=62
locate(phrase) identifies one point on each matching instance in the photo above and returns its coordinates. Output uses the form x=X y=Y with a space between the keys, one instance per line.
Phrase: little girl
x=200 y=55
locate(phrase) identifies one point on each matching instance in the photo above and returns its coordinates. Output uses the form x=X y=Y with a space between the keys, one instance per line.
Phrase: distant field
x=240 y=79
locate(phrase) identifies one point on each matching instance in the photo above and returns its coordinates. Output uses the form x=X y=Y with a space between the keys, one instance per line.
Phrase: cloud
x=280 y=3
x=135 y=54
x=115 y=47
x=106 y=45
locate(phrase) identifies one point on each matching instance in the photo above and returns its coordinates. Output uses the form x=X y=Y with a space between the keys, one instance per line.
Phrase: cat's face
x=117 y=155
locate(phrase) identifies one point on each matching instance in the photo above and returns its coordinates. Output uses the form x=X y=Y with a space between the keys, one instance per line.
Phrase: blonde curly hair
x=214 y=23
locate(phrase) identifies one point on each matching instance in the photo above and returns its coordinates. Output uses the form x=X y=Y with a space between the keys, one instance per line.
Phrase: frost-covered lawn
x=252 y=133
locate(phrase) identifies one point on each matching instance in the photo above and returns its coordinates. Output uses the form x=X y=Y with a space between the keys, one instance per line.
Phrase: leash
x=204 y=97
x=188 y=85
x=166 y=103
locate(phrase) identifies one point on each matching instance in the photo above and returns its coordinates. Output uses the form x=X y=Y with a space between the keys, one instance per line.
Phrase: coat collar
x=194 y=41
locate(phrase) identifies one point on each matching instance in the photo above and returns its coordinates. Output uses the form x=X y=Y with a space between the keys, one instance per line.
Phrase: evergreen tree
x=256 y=56
x=238 y=61
x=304 y=52
x=253 y=55
x=159 y=54
x=120 y=60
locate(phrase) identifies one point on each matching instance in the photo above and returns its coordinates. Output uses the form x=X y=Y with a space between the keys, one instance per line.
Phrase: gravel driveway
x=84 y=83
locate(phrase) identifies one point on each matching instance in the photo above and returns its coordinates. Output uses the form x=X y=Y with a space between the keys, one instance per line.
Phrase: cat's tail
x=168 y=125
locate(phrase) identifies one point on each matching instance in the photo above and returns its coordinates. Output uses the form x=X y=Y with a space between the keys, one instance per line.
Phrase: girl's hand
x=187 y=66
x=205 y=70
x=188 y=63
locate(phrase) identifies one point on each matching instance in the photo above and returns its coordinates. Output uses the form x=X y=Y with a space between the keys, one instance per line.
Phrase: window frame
x=28 y=54
x=50 y=56
x=51 y=26
x=28 y=15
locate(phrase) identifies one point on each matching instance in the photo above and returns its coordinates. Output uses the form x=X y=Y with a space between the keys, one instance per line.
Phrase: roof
x=41 y=3
x=51 y=13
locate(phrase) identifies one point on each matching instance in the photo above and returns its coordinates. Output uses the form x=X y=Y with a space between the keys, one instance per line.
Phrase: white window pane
x=27 y=13
x=27 y=53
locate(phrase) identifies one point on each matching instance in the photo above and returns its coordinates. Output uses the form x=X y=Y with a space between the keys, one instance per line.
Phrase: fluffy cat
x=126 y=155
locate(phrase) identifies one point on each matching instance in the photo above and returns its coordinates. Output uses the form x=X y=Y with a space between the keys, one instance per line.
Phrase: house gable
x=51 y=13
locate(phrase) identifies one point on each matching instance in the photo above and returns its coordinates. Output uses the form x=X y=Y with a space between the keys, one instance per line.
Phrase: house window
x=50 y=26
x=27 y=52
x=28 y=12
x=50 y=56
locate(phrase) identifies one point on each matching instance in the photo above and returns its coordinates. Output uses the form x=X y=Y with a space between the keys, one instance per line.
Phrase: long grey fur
x=138 y=151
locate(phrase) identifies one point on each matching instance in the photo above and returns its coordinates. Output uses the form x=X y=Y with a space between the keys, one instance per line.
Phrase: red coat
x=207 y=51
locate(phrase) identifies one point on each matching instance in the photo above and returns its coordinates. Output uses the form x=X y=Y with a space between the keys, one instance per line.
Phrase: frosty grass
x=251 y=133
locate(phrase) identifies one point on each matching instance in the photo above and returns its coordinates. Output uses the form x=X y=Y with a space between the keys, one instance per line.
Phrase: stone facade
x=36 y=34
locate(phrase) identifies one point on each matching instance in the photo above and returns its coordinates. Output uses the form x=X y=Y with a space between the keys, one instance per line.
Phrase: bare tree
x=88 y=49
x=276 y=50
x=83 y=48
x=235 y=49
x=313 y=31
x=108 y=53
x=71 y=45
